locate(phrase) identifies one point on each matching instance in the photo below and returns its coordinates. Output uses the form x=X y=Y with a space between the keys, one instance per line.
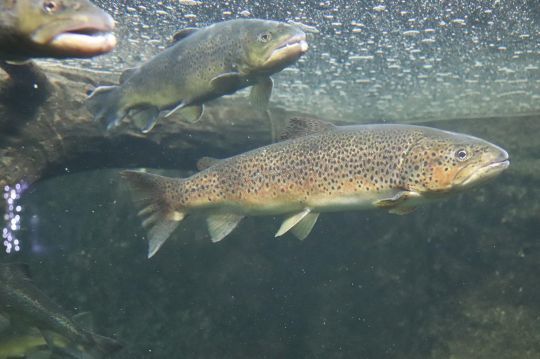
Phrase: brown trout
x=53 y=28
x=22 y=301
x=318 y=168
x=201 y=65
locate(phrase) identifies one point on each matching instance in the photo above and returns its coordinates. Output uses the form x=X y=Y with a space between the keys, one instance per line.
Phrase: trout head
x=63 y=28
x=440 y=162
x=270 y=46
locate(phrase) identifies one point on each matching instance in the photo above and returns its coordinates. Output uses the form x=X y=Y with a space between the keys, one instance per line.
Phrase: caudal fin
x=104 y=104
x=159 y=217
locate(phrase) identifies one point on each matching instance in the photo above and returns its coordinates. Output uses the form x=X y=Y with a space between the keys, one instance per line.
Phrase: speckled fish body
x=53 y=28
x=396 y=167
x=202 y=64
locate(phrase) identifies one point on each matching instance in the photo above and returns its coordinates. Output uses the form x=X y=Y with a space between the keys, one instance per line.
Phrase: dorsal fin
x=182 y=34
x=127 y=74
x=205 y=162
x=304 y=126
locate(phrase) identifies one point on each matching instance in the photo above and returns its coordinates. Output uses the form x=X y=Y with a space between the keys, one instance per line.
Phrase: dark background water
x=455 y=279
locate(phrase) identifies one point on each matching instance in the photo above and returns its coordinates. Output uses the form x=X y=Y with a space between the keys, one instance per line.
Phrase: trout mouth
x=81 y=37
x=488 y=171
x=288 y=51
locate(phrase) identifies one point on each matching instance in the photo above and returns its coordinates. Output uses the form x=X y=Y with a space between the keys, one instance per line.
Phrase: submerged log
x=45 y=129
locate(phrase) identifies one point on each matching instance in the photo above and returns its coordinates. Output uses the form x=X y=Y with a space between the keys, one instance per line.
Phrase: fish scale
x=320 y=168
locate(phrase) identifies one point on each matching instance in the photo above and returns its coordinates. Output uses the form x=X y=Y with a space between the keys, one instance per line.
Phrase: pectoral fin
x=260 y=93
x=300 y=224
x=399 y=203
x=220 y=225
x=227 y=83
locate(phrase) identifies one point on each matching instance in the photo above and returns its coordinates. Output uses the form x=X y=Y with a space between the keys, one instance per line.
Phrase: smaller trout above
x=201 y=65
x=318 y=168
x=53 y=28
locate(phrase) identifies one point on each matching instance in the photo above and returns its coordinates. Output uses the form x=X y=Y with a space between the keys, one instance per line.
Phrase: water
x=455 y=279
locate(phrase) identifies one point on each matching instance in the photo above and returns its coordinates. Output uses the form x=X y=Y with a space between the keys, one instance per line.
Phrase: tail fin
x=104 y=104
x=159 y=217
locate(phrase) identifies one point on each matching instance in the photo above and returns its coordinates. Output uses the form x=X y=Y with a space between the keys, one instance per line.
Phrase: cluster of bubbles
x=12 y=217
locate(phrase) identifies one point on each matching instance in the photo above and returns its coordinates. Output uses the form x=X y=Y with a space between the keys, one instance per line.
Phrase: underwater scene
x=269 y=179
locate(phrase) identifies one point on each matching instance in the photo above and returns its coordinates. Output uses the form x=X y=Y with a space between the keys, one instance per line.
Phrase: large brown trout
x=318 y=168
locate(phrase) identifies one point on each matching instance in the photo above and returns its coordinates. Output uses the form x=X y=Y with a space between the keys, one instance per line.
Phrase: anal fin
x=220 y=225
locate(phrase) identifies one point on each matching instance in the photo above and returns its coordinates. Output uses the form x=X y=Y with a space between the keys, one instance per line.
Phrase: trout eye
x=50 y=6
x=461 y=155
x=264 y=37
